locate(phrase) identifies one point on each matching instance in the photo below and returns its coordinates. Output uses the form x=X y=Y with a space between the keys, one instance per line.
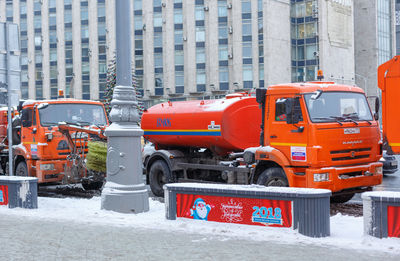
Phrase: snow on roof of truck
x=66 y=100
x=308 y=87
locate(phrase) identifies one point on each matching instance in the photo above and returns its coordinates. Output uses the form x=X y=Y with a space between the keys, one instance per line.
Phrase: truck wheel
x=273 y=177
x=342 y=198
x=159 y=175
x=94 y=185
x=21 y=169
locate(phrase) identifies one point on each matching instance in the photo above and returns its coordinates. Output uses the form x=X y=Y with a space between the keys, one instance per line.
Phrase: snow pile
x=346 y=232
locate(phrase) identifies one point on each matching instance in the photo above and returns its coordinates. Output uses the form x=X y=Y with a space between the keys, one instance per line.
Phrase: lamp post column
x=124 y=190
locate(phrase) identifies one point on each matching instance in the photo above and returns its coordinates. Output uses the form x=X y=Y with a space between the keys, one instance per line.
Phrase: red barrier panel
x=250 y=211
x=3 y=195
x=393 y=215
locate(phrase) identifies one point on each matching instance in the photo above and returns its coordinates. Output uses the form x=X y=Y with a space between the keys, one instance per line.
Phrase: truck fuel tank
x=221 y=125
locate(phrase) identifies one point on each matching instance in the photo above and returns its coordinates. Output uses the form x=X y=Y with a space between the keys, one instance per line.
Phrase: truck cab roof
x=65 y=100
x=309 y=87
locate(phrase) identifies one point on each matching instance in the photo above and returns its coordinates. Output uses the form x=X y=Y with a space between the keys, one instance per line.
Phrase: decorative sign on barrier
x=393 y=216
x=3 y=195
x=250 y=211
x=381 y=211
x=301 y=209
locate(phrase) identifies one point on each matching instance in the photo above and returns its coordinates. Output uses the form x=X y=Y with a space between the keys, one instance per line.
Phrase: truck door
x=29 y=131
x=290 y=138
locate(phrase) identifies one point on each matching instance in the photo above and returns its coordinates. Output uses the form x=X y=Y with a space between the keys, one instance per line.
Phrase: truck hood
x=346 y=145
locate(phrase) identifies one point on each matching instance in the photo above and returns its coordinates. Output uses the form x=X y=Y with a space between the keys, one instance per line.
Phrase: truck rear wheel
x=21 y=169
x=273 y=177
x=159 y=175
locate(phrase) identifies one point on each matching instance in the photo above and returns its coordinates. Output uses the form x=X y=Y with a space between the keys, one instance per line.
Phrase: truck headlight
x=321 y=177
x=378 y=170
x=49 y=166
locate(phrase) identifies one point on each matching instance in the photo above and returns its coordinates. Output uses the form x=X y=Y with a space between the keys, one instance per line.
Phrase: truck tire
x=342 y=198
x=94 y=185
x=273 y=177
x=159 y=175
x=21 y=169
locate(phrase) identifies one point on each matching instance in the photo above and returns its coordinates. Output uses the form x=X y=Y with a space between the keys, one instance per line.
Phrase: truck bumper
x=46 y=173
x=348 y=177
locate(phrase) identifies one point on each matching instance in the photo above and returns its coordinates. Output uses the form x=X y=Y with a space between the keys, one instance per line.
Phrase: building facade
x=376 y=41
x=182 y=49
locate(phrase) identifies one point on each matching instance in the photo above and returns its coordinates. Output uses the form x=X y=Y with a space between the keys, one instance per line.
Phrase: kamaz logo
x=163 y=122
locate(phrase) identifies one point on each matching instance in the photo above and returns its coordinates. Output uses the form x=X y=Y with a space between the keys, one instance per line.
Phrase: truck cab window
x=280 y=114
x=27 y=117
x=280 y=110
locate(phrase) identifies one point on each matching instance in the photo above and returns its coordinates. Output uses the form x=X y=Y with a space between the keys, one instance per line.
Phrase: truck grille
x=350 y=150
x=350 y=154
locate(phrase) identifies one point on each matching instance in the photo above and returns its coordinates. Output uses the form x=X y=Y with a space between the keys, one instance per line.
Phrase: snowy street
x=76 y=229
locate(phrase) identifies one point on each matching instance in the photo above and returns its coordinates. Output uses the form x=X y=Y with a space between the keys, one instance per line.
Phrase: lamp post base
x=125 y=199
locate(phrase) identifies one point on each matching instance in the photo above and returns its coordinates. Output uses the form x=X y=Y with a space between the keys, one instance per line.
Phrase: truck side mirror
x=260 y=95
x=377 y=105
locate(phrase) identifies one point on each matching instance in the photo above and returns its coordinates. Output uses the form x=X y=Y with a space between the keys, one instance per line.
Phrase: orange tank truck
x=39 y=147
x=314 y=135
x=389 y=83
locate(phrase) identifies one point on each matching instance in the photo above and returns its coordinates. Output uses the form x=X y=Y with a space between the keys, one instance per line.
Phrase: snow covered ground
x=346 y=231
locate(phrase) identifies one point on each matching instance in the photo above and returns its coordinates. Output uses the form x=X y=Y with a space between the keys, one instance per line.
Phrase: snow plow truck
x=50 y=140
x=312 y=135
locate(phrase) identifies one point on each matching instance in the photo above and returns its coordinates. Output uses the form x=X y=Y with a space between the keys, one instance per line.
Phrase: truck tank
x=221 y=125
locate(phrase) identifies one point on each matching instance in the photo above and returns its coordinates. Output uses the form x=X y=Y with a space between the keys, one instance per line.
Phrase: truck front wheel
x=273 y=177
x=21 y=169
x=159 y=175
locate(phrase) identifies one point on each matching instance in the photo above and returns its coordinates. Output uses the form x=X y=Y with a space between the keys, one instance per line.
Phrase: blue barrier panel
x=18 y=192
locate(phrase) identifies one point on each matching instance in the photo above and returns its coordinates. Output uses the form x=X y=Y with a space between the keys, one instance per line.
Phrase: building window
x=304 y=28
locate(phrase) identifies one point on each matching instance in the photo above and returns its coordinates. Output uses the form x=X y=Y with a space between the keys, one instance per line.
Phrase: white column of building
x=76 y=49
x=168 y=48
x=93 y=50
x=110 y=31
x=236 y=74
x=31 y=50
x=211 y=23
x=277 y=47
x=60 y=46
x=148 y=47
x=45 y=50
x=189 y=46
x=336 y=41
x=3 y=17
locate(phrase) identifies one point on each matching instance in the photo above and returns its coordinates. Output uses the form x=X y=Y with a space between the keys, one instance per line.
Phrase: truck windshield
x=73 y=113
x=338 y=107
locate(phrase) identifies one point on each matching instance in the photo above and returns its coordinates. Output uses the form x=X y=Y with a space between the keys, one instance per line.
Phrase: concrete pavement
x=32 y=239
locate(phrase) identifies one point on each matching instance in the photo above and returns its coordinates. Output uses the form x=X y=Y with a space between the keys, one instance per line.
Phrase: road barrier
x=381 y=211
x=307 y=210
x=18 y=192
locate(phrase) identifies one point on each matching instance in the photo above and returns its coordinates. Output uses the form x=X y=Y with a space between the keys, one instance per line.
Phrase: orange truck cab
x=42 y=150
x=322 y=134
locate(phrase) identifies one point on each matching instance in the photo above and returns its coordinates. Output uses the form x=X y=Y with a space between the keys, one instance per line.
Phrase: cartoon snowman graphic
x=200 y=209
